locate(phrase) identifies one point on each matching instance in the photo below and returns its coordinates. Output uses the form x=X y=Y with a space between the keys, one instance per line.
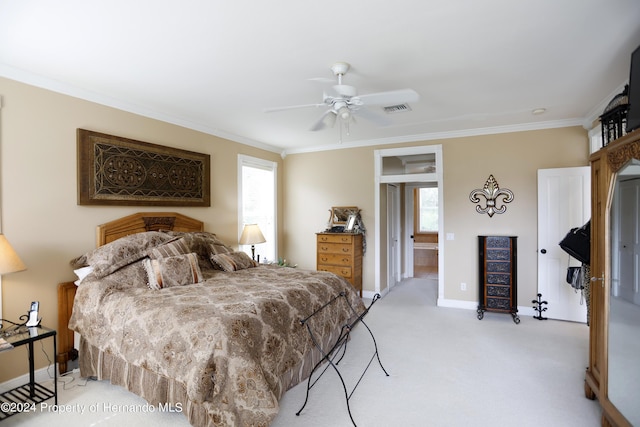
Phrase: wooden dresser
x=341 y=253
x=497 y=281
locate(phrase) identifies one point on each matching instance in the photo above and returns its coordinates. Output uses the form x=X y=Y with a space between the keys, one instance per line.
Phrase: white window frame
x=255 y=162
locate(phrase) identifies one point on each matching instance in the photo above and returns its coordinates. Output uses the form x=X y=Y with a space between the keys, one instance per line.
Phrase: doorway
x=410 y=166
x=424 y=227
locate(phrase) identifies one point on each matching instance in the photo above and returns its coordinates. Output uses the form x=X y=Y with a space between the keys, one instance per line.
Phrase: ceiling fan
x=344 y=103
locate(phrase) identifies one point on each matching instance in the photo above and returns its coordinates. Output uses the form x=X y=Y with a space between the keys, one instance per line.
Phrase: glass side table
x=25 y=397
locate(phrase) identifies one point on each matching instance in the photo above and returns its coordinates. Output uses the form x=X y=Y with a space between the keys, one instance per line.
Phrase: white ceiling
x=215 y=66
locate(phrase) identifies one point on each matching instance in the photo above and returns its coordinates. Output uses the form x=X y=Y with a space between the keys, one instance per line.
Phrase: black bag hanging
x=577 y=243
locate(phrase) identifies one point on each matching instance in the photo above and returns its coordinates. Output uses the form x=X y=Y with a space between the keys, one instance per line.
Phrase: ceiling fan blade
x=293 y=107
x=328 y=116
x=392 y=97
x=376 y=118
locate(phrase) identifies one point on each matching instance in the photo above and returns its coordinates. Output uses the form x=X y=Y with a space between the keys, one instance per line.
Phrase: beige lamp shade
x=251 y=235
x=10 y=262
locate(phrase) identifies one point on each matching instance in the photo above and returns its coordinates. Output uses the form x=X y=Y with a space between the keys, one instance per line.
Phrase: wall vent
x=393 y=109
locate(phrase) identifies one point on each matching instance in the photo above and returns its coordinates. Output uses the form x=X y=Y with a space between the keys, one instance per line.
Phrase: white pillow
x=82 y=273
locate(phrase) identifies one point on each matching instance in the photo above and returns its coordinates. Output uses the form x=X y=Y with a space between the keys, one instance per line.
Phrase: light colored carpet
x=447 y=368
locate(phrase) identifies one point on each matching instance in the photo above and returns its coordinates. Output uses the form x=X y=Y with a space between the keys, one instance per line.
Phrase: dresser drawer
x=335 y=238
x=498 y=279
x=334 y=259
x=498 y=303
x=499 y=291
x=335 y=248
x=345 y=272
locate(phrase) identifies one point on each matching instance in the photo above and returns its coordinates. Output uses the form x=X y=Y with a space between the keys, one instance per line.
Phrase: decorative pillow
x=232 y=261
x=171 y=248
x=172 y=271
x=218 y=248
x=200 y=242
x=115 y=255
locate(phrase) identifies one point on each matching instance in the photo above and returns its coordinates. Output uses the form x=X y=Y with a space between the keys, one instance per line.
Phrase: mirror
x=624 y=301
x=340 y=215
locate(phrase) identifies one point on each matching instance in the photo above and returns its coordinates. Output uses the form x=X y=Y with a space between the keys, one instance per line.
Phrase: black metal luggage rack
x=334 y=351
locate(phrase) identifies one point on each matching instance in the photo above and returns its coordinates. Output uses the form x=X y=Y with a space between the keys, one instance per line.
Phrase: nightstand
x=26 y=397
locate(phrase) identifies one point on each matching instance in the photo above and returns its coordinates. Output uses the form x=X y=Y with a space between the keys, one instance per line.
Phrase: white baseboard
x=455 y=303
x=371 y=294
x=473 y=305
x=41 y=375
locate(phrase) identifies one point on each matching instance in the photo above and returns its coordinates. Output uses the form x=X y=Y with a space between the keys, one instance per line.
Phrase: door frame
x=380 y=179
x=551 y=272
x=393 y=219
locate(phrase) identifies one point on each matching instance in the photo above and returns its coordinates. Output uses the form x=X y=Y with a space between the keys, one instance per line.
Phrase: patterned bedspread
x=233 y=342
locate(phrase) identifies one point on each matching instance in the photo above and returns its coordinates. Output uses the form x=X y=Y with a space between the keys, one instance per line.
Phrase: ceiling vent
x=400 y=108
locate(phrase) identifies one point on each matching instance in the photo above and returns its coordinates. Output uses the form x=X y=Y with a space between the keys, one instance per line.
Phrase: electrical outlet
x=463 y=286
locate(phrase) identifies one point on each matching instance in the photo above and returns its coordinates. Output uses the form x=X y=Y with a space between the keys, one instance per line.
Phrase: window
x=426 y=216
x=257 y=202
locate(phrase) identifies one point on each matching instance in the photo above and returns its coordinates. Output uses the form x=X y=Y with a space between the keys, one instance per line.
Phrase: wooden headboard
x=106 y=233
x=145 y=221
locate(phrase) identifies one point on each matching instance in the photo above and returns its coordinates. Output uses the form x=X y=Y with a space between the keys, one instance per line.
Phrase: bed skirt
x=160 y=390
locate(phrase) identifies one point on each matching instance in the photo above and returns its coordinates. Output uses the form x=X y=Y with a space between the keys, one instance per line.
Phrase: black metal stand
x=538 y=307
x=17 y=400
x=335 y=349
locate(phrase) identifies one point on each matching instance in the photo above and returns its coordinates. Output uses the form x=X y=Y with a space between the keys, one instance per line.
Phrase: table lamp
x=10 y=262
x=251 y=235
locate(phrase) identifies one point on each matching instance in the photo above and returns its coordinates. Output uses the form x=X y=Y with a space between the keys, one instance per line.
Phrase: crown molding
x=443 y=135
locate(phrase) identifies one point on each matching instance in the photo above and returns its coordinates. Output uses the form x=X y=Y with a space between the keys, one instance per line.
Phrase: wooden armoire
x=606 y=167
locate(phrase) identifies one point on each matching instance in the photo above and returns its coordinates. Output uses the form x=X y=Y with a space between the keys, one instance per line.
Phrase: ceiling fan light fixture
x=344 y=113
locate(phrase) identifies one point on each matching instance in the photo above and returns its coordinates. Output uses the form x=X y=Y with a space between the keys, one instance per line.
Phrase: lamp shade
x=251 y=235
x=10 y=262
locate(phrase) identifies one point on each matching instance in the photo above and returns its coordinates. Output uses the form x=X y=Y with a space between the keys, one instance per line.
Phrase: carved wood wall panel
x=119 y=171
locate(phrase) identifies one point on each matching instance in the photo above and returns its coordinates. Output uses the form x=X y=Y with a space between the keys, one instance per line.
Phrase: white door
x=564 y=202
x=393 y=234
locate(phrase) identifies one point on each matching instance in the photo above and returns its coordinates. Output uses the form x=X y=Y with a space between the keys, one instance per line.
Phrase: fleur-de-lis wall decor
x=491 y=192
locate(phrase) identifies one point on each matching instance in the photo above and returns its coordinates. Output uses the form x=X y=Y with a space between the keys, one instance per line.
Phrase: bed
x=176 y=316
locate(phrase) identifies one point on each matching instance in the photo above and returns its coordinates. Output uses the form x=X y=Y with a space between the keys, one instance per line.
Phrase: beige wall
x=316 y=181
x=39 y=213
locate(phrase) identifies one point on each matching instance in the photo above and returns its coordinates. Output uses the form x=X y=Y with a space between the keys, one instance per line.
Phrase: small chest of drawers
x=497 y=281
x=341 y=253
